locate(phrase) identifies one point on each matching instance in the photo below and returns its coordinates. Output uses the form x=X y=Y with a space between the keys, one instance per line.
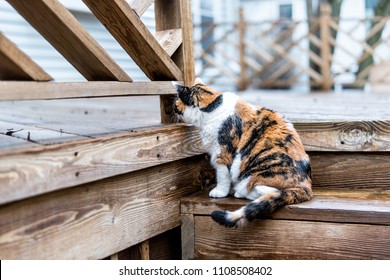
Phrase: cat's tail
x=262 y=207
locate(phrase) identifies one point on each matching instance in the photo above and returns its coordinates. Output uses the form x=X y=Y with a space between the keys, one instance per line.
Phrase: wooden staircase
x=348 y=218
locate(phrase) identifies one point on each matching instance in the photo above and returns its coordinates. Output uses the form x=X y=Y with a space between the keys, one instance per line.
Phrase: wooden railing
x=320 y=52
x=160 y=56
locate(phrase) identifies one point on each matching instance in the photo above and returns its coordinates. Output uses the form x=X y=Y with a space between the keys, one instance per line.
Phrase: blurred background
x=296 y=45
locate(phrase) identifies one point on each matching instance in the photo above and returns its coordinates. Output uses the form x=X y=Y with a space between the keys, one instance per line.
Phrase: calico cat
x=252 y=148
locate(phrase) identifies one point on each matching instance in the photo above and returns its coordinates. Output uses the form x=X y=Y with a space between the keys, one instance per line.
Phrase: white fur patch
x=240 y=188
x=235 y=168
x=262 y=190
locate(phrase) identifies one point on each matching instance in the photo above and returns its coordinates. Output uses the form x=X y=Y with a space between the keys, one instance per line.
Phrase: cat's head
x=193 y=101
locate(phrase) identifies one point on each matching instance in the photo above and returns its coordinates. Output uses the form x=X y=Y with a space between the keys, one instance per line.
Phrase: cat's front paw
x=219 y=192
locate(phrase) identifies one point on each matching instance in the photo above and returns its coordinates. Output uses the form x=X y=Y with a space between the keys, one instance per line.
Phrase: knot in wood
x=356 y=134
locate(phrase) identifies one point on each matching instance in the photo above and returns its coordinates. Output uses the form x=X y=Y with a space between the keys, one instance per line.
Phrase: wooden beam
x=16 y=65
x=63 y=90
x=174 y=14
x=140 y=6
x=170 y=40
x=127 y=28
x=98 y=219
x=61 y=29
x=48 y=168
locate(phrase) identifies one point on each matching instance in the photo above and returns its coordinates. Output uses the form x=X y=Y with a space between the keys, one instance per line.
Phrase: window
x=285 y=11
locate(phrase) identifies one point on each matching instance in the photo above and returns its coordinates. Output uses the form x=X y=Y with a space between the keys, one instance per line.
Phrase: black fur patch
x=185 y=95
x=225 y=137
x=257 y=134
x=213 y=105
x=221 y=218
x=304 y=168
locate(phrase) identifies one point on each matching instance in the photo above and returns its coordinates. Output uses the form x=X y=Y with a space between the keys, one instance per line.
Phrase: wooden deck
x=85 y=165
x=44 y=123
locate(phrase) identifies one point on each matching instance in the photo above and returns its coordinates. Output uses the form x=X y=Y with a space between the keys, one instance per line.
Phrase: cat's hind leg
x=223 y=182
x=241 y=190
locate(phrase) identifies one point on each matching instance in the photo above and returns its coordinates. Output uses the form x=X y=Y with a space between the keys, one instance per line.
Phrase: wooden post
x=243 y=81
x=325 y=12
x=173 y=14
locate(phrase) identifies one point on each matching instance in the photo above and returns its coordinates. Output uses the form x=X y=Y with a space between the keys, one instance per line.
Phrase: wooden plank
x=351 y=171
x=187 y=236
x=36 y=90
x=345 y=136
x=36 y=134
x=61 y=29
x=91 y=118
x=7 y=142
x=140 y=6
x=291 y=240
x=170 y=40
x=328 y=205
x=16 y=65
x=55 y=167
x=140 y=251
x=96 y=220
x=127 y=28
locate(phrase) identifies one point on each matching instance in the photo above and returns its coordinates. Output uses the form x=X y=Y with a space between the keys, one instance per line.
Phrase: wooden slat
x=170 y=40
x=346 y=136
x=127 y=28
x=278 y=239
x=35 y=90
x=140 y=6
x=352 y=171
x=36 y=134
x=16 y=65
x=96 y=220
x=7 y=142
x=55 y=167
x=65 y=33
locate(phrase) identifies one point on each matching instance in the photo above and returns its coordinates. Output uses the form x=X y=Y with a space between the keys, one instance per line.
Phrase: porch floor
x=26 y=124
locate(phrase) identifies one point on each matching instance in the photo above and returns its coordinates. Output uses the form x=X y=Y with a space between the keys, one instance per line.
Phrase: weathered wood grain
x=344 y=206
x=61 y=29
x=9 y=142
x=54 y=167
x=127 y=28
x=345 y=136
x=96 y=220
x=187 y=236
x=351 y=170
x=62 y=90
x=36 y=134
x=170 y=40
x=279 y=239
x=140 y=6
x=16 y=65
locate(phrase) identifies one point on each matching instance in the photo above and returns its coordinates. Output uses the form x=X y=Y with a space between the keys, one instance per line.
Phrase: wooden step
x=335 y=224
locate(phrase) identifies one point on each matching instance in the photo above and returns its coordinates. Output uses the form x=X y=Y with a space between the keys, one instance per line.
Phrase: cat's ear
x=178 y=87
x=198 y=81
